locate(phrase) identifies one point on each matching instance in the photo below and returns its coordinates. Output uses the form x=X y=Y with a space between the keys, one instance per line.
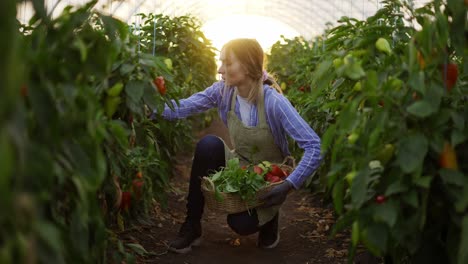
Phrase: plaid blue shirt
x=281 y=116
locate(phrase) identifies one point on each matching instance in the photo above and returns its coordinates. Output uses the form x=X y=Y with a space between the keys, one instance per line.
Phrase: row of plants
x=80 y=158
x=388 y=96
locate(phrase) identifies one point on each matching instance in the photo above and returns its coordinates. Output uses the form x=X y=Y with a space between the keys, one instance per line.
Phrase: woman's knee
x=243 y=223
x=209 y=146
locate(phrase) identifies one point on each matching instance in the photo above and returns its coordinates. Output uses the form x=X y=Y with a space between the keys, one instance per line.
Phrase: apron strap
x=260 y=106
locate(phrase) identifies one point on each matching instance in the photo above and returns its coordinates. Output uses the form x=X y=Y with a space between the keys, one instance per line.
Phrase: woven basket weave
x=232 y=202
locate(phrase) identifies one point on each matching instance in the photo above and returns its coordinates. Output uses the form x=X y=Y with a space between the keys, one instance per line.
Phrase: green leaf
x=150 y=97
x=79 y=43
x=420 y=109
x=458 y=120
x=375 y=238
x=49 y=234
x=387 y=213
x=230 y=188
x=6 y=164
x=411 y=198
x=416 y=81
x=396 y=187
x=216 y=176
x=355 y=71
x=411 y=152
x=338 y=194
x=424 y=182
x=434 y=96
x=462 y=202
x=457 y=137
x=359 y=188
x=453 y=177
x=462 y=252
x=323 y=68
x=327 y=137
x=126 y=68
x=372 y=81
x=139 y=249
x=117 y=130
x=135 y=89
x=135 y=107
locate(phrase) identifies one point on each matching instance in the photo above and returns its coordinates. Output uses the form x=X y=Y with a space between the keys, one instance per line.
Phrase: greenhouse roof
x=307 y=18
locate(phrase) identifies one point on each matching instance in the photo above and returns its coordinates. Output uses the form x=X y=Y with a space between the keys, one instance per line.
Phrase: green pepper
x=382 y=45
x=112 y=103
x=350 y=176
x=353 y=137
x=115 y=90
x=168 y=63
x=385 y=154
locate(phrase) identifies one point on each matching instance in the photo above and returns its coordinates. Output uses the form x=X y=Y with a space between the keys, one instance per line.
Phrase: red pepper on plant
x=380 y=199
x=137 y=186
x=139 y=175
x=448 y=157
x=160 y=84
x=24 y=90
x=449 y=75
x=126 y=201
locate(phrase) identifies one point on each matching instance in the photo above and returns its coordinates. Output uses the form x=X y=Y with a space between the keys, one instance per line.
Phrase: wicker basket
x=232 y=202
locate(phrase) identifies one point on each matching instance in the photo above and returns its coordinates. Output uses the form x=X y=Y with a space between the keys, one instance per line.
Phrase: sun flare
x=266 y=30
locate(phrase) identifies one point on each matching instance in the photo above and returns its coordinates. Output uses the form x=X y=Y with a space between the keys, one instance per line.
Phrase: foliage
x=389 y=116
x=75 y=137
x=191 y=62
x=235 y=179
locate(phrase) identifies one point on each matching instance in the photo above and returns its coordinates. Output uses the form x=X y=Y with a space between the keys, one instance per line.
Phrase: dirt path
x=304 y=229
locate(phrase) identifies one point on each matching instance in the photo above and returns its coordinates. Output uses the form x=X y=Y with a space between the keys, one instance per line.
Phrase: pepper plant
x=395 y=139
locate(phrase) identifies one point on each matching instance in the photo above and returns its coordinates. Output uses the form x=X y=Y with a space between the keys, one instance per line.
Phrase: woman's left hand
x=277 y=195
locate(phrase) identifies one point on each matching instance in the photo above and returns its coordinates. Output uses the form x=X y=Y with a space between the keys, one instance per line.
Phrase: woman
x=258 y=118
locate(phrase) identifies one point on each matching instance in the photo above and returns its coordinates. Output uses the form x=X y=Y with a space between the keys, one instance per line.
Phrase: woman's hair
x=251 y=56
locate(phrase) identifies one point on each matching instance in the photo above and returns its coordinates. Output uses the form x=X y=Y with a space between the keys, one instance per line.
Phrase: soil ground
x=305 y=224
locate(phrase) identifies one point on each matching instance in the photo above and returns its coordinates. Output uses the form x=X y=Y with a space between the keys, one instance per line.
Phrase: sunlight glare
x=266 y=30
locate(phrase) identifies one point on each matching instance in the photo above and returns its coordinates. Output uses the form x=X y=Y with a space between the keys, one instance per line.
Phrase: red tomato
x=277 y=171
x=258 y=170
x=275 y=179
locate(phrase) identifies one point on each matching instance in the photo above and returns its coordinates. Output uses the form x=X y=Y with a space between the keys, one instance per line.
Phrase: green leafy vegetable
x=236 y=179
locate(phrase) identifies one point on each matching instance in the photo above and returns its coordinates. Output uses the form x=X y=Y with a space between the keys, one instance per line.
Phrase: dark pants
x=209 y=156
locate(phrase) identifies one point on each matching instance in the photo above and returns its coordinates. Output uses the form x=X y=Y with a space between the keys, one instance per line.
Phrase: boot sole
x=273 y=245
x=185 y=250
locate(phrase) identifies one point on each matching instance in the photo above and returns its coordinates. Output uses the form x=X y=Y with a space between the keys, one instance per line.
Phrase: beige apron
x=253 y=145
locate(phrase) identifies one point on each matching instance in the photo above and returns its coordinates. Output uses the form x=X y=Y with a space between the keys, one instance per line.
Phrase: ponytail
x=270 y=80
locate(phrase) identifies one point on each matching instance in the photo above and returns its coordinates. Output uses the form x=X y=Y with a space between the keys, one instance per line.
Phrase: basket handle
x=208 y=184
x=290 y=161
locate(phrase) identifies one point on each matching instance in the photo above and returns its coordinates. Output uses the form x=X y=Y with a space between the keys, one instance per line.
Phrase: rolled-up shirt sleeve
x=196 y=103
x=287 y=117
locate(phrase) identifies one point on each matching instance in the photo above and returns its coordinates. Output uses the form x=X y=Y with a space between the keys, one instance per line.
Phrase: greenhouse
x=222 y=131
